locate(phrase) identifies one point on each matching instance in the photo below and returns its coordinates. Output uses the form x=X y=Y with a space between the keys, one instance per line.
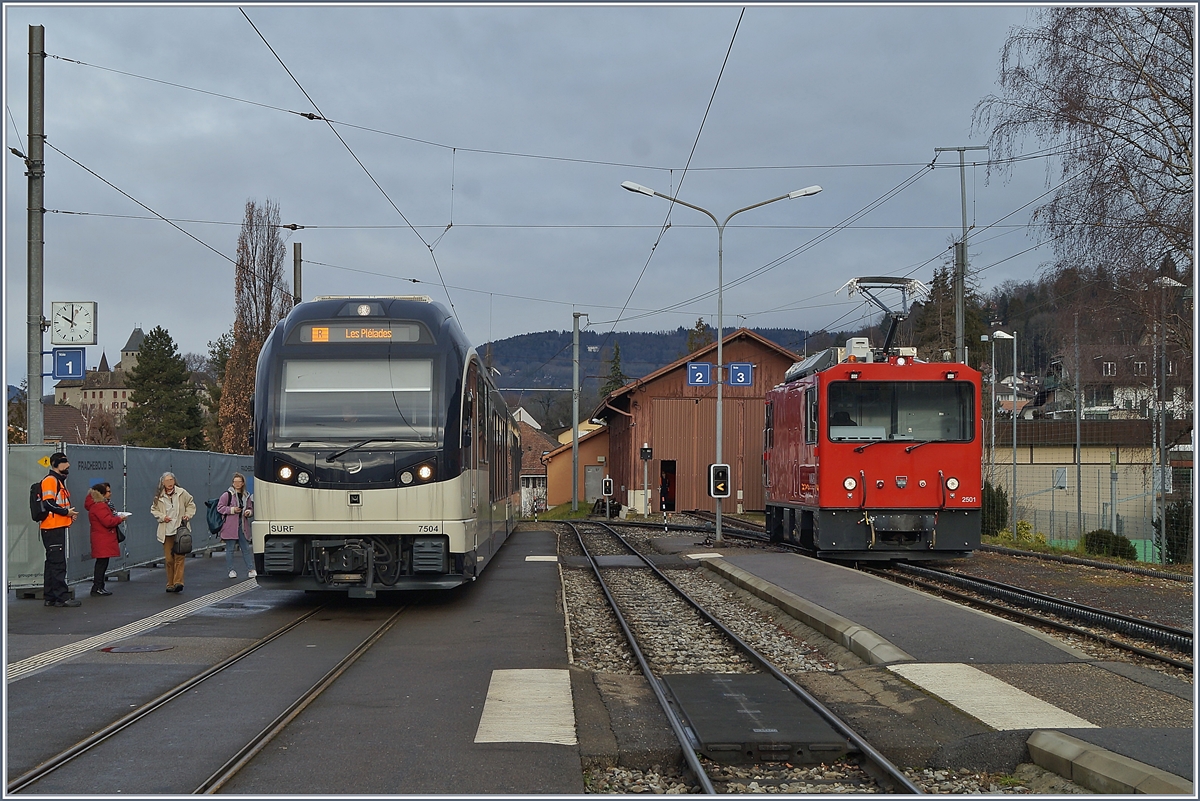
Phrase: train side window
x=810 y=415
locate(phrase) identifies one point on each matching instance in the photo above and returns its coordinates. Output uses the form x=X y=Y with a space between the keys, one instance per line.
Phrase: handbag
x=120 y=532
x=183 y=542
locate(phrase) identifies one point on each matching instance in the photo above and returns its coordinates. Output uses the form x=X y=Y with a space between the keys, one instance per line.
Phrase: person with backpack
x=237 y=506
x=173 y=507
x=59 y=515
x=104 y=521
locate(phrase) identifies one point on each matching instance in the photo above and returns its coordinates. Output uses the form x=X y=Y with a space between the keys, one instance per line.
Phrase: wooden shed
x=678 y=423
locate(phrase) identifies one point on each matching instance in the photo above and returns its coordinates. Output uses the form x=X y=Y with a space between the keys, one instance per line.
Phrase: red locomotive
x=875 y=454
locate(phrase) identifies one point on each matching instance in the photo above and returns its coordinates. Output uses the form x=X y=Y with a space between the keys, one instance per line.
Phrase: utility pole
x=296 y=261
x=575 y=413
x=960 y=258
x=35 y=164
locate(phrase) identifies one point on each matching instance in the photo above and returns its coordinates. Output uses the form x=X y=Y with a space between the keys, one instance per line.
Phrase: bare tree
x=1111 y=89
x=261 y=299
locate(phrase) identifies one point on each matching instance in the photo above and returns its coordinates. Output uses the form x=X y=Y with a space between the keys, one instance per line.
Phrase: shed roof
x=681 y=363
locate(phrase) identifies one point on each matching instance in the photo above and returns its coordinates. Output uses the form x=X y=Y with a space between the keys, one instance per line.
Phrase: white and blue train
x=384 y=457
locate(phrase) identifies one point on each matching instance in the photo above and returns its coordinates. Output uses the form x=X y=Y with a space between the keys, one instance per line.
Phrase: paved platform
x=1113 y=728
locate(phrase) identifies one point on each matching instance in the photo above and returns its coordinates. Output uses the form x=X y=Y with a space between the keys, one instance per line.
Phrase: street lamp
x=992 y=451
x=645 y=190
x=1013 y=490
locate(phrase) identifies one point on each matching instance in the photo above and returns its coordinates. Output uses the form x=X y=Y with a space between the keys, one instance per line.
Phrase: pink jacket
x=229 y=529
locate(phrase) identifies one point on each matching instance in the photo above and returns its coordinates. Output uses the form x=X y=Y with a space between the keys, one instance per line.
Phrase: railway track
x=121 y=747
x=979 y=591
x=1099 y=625
x=716 y=664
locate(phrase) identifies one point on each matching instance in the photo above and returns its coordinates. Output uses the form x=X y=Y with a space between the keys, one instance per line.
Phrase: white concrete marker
x=541 y=558
x=704 y=555
x=987 y=698
x=528 y=706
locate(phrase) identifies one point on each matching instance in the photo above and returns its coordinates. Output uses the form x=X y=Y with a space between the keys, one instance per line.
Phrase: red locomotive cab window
x=923 y=411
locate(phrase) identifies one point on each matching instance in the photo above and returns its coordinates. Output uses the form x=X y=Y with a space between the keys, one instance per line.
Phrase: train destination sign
x=343 y=333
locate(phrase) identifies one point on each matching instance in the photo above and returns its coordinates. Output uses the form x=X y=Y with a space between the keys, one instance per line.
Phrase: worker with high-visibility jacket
x=56 y=500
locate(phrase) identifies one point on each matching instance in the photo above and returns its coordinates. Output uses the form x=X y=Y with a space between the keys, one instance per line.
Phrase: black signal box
x=718 y=481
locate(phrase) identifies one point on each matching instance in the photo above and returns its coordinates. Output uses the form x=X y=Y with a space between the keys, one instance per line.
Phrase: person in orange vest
x=60 y=514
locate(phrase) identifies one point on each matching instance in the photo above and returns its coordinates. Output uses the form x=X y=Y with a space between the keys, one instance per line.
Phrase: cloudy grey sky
x=502 y=134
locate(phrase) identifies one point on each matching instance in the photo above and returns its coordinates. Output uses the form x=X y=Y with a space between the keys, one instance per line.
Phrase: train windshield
x=926 y=411
x=333 y=402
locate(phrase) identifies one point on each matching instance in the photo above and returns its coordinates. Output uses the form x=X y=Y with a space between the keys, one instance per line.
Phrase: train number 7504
x=428 y=529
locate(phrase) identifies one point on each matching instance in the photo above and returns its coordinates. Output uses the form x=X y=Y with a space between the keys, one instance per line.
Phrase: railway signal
x=608 y=488
x=718 y=480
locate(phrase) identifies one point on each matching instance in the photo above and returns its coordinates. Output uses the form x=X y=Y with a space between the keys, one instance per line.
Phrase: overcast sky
x=515 y=126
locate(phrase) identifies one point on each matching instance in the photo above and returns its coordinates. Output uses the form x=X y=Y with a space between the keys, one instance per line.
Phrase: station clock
x=73 y=322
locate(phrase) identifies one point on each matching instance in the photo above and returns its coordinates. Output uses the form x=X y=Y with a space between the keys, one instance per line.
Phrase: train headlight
x=406 y=477
x=302 y=478
x=850 y=483
x=952 y=483
x=285 y=473
x=425 y=472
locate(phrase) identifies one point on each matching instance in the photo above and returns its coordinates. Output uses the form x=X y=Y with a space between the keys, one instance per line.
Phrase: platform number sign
x=718 y=480
x=741 y=374
x=68 y=364
x=607 y=485
x=699 y=374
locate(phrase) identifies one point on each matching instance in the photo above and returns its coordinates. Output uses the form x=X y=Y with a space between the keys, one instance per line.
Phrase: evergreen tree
x=165 y=412
x=699 y=336
x=616 y=376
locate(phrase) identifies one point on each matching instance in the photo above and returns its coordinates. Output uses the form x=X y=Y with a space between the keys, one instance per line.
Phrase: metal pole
x=992 y=468
x=575 y=414
x=960 y=264
x=1078 y=438
x=718 y=539
x=296 y=261
x=1014 y=438
x=35 y=164
x=1162 y=429
x=646 y=485
x=1112 y=490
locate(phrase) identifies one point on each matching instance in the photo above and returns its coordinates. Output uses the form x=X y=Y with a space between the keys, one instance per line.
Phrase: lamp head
x=632 y=187
x=805 y=192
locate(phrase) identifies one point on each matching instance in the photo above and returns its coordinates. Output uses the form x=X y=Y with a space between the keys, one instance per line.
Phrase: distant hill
x=543 y=360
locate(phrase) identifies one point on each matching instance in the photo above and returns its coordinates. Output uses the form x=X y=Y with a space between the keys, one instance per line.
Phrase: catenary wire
x=354 y=155
x=1048 y=153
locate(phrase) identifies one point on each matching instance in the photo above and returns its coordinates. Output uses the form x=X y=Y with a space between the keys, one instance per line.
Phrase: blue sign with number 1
x=68 y=364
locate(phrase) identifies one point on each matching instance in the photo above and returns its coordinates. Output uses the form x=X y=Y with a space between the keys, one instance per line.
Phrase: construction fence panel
x=133 y=473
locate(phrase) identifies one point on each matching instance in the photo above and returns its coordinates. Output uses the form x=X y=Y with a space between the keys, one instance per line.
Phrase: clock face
x=73 y=323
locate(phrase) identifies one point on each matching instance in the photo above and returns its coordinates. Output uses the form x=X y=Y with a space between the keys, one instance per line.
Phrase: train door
x=666 y=485
x=593 y=476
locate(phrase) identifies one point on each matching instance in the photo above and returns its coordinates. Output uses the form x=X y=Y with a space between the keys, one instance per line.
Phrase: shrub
x=1179 y=532
x=995 y=509
x=1103 y=542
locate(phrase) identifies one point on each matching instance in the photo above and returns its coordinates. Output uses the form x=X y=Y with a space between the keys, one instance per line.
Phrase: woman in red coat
x=104 y=522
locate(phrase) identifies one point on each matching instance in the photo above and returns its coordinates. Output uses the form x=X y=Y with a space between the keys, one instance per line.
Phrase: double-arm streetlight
x=1013 y=489
x=645 y=190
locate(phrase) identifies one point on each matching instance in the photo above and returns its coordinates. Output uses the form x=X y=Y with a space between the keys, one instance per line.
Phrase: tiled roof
x=534 y=442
